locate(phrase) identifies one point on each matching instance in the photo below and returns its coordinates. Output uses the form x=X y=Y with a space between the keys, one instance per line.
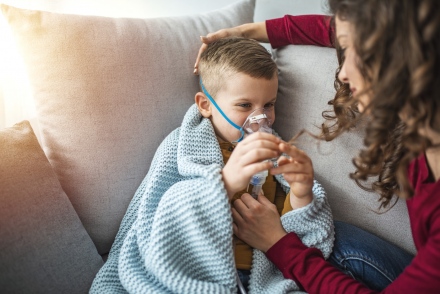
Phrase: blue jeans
x=366 y=257
x=244 y=276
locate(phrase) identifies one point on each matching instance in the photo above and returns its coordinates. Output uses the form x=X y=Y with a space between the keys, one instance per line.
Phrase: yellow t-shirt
x=272 y=191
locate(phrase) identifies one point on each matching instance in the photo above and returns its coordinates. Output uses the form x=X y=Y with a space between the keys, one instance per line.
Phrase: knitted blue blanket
x=176 y=236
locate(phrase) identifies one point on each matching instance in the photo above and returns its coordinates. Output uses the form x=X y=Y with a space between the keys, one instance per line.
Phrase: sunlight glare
x=16 y=102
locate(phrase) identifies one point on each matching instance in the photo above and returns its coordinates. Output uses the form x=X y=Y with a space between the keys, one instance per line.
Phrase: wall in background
x=15 y=100
x=149 y=8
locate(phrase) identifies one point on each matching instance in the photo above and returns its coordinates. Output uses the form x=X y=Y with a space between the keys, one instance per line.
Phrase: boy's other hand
x=257 y=222
x=247 y=159
x=298 y=172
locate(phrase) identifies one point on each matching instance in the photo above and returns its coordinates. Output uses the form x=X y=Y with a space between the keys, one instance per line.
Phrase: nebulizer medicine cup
x=260 y=120
x=257 y=182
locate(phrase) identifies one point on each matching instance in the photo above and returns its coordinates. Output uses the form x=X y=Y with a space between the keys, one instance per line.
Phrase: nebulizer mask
x=260 y=120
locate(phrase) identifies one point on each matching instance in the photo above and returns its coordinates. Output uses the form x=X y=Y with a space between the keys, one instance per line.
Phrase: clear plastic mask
x=260 y=120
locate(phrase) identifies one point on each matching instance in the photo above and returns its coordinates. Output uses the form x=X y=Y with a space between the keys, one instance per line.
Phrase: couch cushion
x=107 y=91
x=44 y=247
x=305 y=86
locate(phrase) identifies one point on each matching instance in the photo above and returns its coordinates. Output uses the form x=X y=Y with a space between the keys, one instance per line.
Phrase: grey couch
x=107 y=91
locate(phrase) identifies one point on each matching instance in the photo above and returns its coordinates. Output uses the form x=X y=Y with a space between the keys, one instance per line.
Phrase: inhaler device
x=259 y=120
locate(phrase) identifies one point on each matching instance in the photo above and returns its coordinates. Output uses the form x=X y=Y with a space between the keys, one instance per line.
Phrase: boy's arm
x=282 y=200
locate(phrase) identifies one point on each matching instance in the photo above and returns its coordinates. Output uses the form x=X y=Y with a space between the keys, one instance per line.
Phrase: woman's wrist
x=275 y=237
x=256 y=31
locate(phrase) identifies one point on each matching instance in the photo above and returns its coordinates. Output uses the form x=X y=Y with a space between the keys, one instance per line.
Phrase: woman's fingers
x=248 y=200
x=235 y=228
x=239 y=208
x=251 y=202
x=220 y=34
x=264 y=201
x=257 y=222
x=235 y=215
x=196 y=65
x=205 y=40
x=211 y=37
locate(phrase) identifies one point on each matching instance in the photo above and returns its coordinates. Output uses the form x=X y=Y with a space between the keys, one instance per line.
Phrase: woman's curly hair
x=398 y=47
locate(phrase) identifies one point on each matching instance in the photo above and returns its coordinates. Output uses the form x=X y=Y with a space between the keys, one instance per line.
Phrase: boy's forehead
x=244 y=87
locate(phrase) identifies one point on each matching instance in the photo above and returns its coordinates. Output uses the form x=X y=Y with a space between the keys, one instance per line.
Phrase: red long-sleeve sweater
x=300 y=30
x=306 y=265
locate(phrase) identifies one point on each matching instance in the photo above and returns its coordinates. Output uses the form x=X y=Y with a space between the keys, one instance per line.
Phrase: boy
x=177 y=233
x=242 y=77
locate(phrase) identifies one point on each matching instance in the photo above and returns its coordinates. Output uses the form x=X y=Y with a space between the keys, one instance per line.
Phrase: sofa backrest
x=109 y=90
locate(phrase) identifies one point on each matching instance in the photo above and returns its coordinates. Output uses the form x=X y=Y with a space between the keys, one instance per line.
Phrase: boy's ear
x=203 y=104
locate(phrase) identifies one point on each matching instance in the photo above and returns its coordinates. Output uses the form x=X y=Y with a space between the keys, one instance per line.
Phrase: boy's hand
x=298 y=172
x=247 y=159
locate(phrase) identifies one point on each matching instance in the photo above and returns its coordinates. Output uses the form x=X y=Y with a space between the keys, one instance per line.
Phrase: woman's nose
x=342 y=75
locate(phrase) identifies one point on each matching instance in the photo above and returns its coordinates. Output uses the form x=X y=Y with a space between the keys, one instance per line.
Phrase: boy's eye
x=245 y=105
x=269 y=105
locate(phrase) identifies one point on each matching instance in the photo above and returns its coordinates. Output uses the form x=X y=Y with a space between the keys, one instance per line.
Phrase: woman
x=389 y=53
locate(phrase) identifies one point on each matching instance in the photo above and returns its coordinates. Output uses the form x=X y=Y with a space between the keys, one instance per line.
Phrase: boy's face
x=240 y=95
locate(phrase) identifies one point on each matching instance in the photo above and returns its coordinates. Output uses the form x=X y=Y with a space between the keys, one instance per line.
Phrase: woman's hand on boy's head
x=257 y=222
x=248 y=158
x=211 y=37
x=254 y=30
x=298 y=172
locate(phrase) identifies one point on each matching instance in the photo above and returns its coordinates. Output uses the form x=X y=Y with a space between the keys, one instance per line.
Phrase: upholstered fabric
x=44 y=247
x=107 y=91
x=305 y=86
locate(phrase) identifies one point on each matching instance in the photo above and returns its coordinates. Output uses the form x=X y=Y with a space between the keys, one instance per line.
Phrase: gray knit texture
x=176 y=236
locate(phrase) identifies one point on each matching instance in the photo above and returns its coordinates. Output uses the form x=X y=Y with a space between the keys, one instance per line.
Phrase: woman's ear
x=203 y=104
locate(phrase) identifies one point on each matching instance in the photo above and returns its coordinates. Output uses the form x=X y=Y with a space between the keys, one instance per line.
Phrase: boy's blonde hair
x=229 y=56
